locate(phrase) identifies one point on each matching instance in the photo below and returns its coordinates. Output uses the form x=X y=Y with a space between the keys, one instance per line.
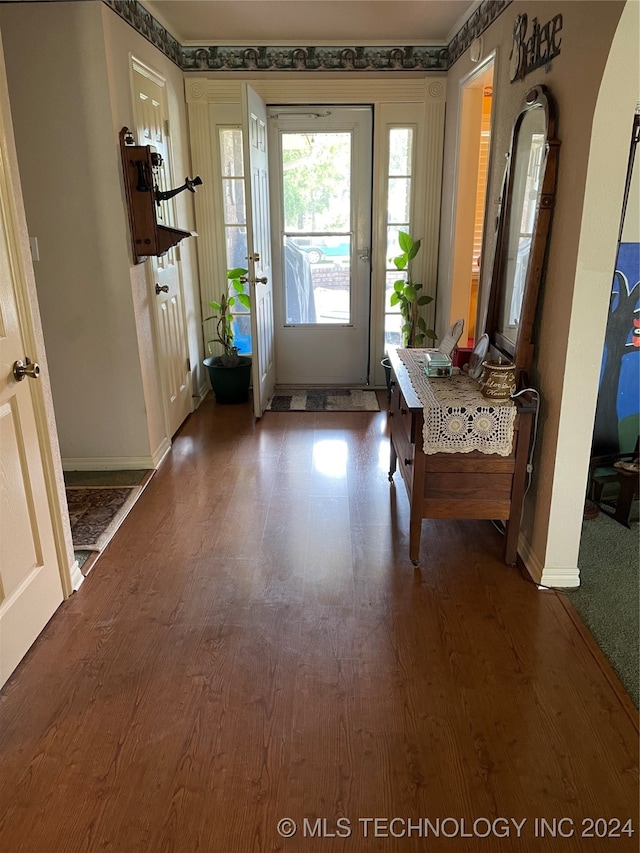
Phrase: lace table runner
x=457 y=418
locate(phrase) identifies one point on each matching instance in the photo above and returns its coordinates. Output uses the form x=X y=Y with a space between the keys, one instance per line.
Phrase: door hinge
x=167 y=127
x=188 y=365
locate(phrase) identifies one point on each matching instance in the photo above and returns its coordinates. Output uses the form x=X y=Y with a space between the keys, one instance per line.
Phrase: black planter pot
x=230 y=384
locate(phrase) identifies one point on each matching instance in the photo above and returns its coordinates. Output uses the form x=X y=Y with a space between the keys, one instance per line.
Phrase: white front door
x=321 y=159
x=30 y=582
x=254 y=123
x=164 y=273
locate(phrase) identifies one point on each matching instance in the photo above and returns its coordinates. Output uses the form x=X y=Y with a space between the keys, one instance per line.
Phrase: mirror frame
x=521 y=352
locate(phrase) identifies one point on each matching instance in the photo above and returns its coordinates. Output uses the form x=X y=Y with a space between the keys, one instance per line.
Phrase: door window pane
x=316 y=185
x=400 y=150
x=316 y=181
x=236 y=240
x=399 y=200
x=235 y=211
x=231 y=155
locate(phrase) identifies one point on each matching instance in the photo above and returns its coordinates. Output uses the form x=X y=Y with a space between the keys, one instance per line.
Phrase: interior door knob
x=262 y=279
x=163 y=289
x=25 y=368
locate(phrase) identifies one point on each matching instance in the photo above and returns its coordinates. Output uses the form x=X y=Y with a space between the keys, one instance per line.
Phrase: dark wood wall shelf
x=148 y=238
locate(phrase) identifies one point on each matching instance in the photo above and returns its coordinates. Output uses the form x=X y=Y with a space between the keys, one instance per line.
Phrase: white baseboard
x=567 y=577
x=107 y=463
x=76 y=576
x=160 y=452
x=204 y=389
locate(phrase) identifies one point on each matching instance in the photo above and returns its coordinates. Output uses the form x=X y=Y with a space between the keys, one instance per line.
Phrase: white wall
x=69 y=169
x=553 y=509
x=68 y=69
x=618 y=96
x=122 y=43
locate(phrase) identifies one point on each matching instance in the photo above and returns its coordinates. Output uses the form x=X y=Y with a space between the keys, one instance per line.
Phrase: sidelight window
x=400 y=172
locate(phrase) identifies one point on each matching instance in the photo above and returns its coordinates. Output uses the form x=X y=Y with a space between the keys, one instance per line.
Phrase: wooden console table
x=455 y=485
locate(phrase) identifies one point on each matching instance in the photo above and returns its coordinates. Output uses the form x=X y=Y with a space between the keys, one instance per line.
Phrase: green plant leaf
x=236 y=272
x=400 y=262
x=394 y=299
x=243 y=299
x=410 y=292
x=215 y=306
x=431 y=334
x=422 y=324
x=398 y=285
x=415 y=248
x=405 y=242
x=425 y=300
x=231 y=301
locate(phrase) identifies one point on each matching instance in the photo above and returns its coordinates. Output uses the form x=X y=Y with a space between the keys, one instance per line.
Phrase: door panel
x=254 y=116
x=30 y=582
x=164 y=273
x=322 y=204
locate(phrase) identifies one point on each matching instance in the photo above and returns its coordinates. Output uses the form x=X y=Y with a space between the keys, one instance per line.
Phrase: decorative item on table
x=498 y=381
x=451 y=338
x=474 y=368
x=437 y=364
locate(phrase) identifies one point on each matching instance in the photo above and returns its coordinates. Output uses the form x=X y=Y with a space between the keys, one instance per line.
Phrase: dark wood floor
x=255 y=645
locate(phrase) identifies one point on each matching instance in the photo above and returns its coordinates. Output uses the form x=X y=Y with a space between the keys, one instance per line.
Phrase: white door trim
x=417 y=101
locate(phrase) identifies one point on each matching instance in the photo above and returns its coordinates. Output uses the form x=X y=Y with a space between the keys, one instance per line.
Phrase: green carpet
x=105 y=478
x=609 y=594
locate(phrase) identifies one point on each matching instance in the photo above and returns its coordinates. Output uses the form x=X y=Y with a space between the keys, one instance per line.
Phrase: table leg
x=628 y=490
x=393 y=460
x=415 y=533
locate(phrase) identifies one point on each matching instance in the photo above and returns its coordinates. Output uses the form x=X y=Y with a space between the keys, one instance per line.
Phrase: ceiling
x=311 y=22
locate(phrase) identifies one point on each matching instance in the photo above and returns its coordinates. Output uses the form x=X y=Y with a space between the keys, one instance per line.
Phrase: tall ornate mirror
x=523 y=229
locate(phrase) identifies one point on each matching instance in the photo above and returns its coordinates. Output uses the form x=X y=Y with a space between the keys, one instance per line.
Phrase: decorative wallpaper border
x=314 y=58
x=144 y=23
x=473 y=27
x=255 y=58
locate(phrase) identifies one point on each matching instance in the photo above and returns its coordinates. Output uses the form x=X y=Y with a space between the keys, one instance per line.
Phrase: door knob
x=25 y=368
x=262 y=279
x=163 y=289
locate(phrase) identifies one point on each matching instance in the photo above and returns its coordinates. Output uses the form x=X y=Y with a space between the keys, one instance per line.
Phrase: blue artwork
x=618 y=410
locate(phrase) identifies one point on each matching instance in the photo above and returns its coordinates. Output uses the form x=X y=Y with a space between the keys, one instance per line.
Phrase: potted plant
x=406 y=295
x=229 y=372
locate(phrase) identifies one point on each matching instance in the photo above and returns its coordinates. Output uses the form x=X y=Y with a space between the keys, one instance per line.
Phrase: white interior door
x=254 y=123
x=30 y=582
x=164 y=273
x=322 y=206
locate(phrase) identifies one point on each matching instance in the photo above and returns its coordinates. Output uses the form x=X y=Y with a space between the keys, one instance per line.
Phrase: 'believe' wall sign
x=530 y=51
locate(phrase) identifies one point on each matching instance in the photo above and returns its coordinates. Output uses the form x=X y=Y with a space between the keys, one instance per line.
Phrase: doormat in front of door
x=324 y=400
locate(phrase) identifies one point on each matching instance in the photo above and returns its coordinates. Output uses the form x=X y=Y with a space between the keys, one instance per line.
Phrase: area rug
x=324 y=400
x=96 y=513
